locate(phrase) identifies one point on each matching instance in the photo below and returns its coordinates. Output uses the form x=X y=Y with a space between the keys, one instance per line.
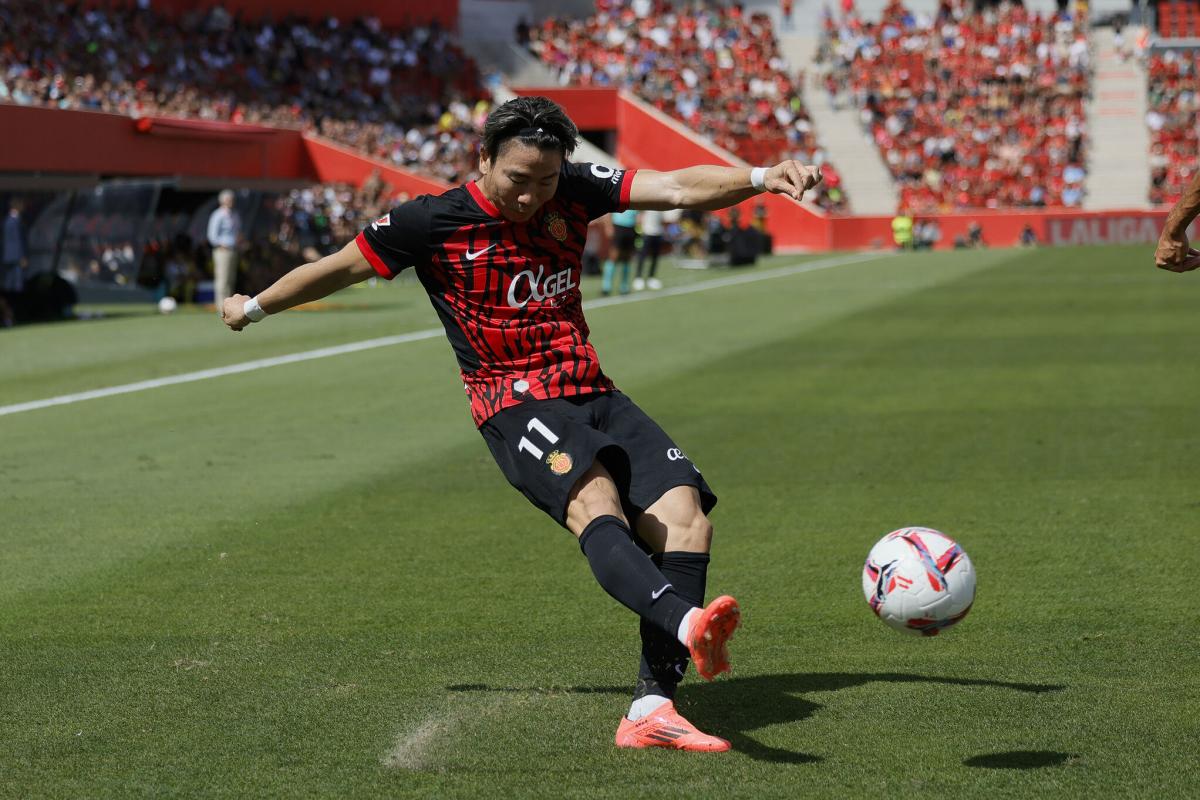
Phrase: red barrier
x=43 y=140
x=1056 y=226
x=91 y=142
x=332 y=163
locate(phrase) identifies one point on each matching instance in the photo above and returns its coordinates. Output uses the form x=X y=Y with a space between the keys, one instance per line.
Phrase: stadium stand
x=410 y=96
x=1173 y=102
x=969 y=109
x=713 y=66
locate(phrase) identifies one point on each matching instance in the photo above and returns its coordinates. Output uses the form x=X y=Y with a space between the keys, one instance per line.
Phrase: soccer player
x=1174 y=253
x=500 y=260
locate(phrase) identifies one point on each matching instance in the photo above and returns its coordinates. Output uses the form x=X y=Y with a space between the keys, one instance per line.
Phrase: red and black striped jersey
x=506 y=292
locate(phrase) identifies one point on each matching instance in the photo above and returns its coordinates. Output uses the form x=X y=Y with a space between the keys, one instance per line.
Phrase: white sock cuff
x=644 y=705
x=685 y=626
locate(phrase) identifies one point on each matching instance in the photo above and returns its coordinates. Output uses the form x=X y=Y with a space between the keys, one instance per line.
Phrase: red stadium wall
x=392 y=13
x=332 y=163
x=1003 y=228
x=92 y=143
x=89 y=142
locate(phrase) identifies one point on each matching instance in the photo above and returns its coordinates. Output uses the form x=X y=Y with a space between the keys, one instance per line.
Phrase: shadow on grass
x=732 y=708
x=1020 y=759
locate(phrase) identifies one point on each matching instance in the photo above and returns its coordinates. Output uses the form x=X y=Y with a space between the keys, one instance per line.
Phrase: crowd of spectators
x=712 y=65
x=410 y=96
x=1173 y=101
x=969 y=108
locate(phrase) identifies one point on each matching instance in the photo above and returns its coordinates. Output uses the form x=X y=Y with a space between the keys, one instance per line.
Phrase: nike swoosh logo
x=658 y=594
x=472 y=256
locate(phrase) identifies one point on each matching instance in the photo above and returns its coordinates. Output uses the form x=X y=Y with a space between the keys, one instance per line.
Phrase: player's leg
x=594 y=514
x=550 y=451
x=674 y=525
x=679 y=534
x=679 y=526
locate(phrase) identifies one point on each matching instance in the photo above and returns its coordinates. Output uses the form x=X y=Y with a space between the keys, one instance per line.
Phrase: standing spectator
x=13 y=260
x=928 y=234
x=902 y=230
x=745 y=245
x=224 y=233
x=652 y=239
x=624 y=243
x=785 y=14
x=975 y=235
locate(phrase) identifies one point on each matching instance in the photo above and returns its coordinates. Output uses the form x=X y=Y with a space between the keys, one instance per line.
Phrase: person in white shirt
x=224 y=233
x=652 y=239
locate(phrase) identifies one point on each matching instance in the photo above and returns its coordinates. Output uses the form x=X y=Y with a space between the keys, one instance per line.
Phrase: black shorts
x=624 y=240
x=544 y=446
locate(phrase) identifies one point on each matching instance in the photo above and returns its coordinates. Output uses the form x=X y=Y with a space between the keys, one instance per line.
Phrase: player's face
x=520 y=178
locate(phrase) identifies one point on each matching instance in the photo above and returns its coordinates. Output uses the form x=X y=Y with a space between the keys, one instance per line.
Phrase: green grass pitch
x=312 y=581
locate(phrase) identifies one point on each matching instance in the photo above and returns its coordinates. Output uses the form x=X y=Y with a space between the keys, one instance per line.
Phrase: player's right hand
x=1176 y=255
x=791 y=178
x=233 y=312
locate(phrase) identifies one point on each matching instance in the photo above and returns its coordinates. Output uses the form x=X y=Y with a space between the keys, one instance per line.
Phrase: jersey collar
x=488 y=207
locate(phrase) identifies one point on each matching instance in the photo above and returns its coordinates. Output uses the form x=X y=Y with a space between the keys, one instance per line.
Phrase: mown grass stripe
x=388 y=341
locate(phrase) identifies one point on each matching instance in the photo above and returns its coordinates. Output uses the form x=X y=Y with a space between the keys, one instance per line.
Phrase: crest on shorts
x=556 y=226
x=560 y=462
x=385 y=220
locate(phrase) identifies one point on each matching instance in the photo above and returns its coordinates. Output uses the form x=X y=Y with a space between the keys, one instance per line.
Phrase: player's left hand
x=1176 y=255
x=791 y=178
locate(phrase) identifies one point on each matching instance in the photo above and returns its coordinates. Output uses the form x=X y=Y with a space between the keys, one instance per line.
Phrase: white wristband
x=758 y=178
x=253 y=310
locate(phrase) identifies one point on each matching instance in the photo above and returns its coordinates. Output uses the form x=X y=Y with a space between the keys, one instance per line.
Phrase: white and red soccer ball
x=919 y=581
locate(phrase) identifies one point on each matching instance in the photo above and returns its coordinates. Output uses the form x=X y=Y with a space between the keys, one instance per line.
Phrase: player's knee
x=692 y=533
x=594 y=495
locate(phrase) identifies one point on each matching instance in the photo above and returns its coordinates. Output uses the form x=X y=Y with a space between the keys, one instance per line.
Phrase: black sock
x=628 y=574
x=664 y=659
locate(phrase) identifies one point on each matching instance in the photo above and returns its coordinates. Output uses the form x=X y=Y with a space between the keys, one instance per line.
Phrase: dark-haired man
x=500 y=260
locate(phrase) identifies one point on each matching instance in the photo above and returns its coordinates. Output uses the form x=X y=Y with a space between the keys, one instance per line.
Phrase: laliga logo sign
x=538 y=290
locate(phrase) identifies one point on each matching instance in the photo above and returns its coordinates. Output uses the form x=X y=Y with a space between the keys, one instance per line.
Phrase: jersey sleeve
x=398 y=239
x=601 y=189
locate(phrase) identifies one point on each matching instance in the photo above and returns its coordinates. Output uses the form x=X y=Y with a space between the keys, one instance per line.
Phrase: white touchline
x=416 y=336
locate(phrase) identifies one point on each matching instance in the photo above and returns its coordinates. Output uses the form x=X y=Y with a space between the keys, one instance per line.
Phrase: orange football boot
x=711 y=629
x=663 y=727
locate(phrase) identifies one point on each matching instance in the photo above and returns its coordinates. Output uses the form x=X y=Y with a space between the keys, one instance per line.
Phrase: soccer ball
x=167 y=305
x=919 y=581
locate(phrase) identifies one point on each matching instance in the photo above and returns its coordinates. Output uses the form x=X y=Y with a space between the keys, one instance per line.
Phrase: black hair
x=537 y=121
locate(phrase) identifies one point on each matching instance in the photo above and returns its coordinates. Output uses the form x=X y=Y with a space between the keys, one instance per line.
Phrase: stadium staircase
x=1119 y=164
x=865 y=179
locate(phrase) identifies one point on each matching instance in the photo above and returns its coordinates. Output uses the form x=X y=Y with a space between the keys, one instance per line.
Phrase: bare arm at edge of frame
x=1174 y=252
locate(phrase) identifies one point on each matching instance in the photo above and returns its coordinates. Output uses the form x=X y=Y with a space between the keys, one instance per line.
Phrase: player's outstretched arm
x=1173 y=252
x=709 y=188
x=302 y=285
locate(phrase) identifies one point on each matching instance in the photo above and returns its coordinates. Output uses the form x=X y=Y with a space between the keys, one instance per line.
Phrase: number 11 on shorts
x=527 y=446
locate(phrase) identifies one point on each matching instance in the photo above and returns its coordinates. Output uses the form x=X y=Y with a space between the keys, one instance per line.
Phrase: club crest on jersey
x=383 y=221
x=556 y=226
x=560 y=462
